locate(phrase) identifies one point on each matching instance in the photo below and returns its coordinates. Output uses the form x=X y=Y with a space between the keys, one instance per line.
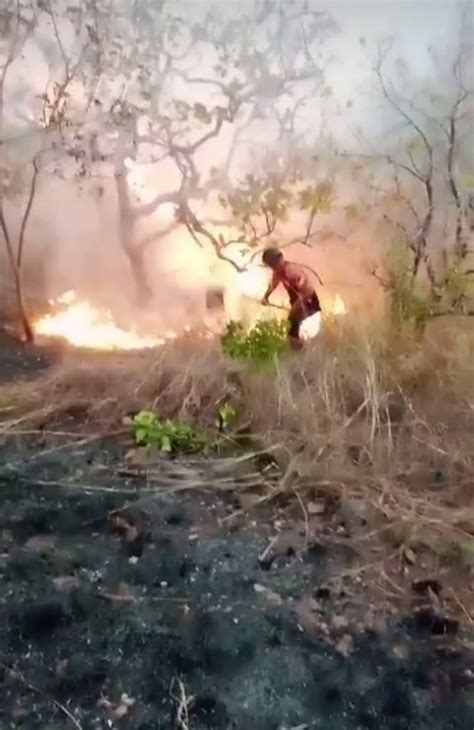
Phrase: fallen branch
x=124 y=598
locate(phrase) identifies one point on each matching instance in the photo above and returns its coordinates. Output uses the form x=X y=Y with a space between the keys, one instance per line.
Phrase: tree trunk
x=24 y=319
x=16 y=272
x=134 y=254
x=136 y=257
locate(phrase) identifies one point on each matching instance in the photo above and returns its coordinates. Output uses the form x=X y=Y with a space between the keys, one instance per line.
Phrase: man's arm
x=271 y=287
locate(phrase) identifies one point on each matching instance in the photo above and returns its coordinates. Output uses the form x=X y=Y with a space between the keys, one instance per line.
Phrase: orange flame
x=86 y=326
x=83 y=325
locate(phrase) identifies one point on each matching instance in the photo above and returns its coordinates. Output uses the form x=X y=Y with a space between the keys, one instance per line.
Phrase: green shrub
x=412 y=303
x=455 y=290
x=408 y=304
x=226 y=416
x=169 y=436
x=263 y=342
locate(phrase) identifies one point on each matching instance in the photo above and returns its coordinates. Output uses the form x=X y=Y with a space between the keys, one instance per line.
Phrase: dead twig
x=264 y=554
x=71 y=485
x=343 y=428
x=307 y=535
x=124 y=598
x=40 y=412
x=55 y=449
x=184 y=703
x=461 y=606
x=20 y=678
x=41 y=432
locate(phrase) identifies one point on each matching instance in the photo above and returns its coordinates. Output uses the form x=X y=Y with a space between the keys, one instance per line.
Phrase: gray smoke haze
x=76 y=237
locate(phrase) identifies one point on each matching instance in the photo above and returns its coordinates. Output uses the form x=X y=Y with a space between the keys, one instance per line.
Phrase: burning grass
x=387 y=425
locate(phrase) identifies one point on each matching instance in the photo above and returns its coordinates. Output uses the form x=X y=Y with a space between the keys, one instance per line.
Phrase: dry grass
x=387 y=423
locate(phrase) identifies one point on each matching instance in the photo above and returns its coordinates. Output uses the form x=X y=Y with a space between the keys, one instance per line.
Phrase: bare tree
x=16 y=27
x=417 y=181
x=229 y=74
x=20 y=23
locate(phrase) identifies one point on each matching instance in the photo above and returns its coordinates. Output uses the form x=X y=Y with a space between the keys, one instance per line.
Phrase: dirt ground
x=144 y=604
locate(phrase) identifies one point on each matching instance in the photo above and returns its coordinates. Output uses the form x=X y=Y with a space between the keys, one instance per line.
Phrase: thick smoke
x=74 y=238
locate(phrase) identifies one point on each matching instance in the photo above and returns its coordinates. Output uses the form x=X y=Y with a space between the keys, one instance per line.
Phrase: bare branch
x=196 y=229
x=460 y=244
x=26 y=214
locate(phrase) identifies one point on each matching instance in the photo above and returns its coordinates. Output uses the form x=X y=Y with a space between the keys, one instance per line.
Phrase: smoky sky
x=82 y=231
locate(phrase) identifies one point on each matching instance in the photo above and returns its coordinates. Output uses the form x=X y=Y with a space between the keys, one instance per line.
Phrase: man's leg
x=295 y=318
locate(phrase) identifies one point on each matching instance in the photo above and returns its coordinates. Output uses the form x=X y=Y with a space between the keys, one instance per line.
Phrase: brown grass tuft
x=388 y=423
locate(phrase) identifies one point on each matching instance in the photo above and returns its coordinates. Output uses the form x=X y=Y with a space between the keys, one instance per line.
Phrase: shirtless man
x=303 y=298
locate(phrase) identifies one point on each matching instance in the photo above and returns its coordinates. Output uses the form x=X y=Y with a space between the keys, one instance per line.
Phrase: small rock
x=274 y=598
x=120 y=712
x=62 y=667
x=353 y=513
x=401 y=651
x=41 y=543
x=66 y=583
x=409 y=555
x=339 y=622
x=316 y=508
x=140 y=456
x=345 y=645
x=133 y=560
x=126 y=700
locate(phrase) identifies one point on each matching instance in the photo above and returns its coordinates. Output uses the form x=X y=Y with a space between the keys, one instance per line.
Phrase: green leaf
x=227 y=414
x=167 y=435
x=166 y=444
x=261 y=344
x=141 y=435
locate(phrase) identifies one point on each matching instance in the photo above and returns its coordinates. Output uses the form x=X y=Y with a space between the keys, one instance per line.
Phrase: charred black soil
x=18 y=360
x=131 y=605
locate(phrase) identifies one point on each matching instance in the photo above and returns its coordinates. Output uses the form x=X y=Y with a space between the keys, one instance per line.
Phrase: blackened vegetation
x=82 y=618
x=109 y=590
x=19 y=360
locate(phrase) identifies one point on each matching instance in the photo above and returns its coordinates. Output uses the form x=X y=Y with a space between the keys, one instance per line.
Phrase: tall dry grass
x=374 y=416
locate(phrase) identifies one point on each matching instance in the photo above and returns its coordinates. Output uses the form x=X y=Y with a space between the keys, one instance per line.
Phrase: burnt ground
x=162 y=615
x=18 y=360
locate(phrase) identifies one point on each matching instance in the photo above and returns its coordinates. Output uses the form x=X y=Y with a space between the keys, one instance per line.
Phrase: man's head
x=273 y=258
